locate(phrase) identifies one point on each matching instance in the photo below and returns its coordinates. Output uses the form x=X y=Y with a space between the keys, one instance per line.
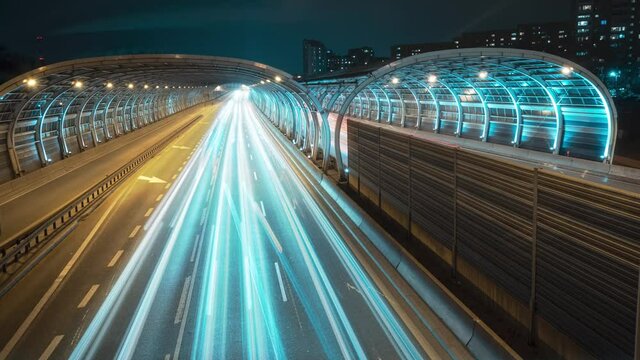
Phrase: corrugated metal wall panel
x=584 y=244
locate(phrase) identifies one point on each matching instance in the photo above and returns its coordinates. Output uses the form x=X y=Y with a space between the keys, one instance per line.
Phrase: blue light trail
x=270 y=275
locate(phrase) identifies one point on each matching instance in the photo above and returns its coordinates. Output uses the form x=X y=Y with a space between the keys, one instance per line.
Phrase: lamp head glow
x=432 y=78
x=613 y=73
x=566 y=70
x=166 y=86
x=278 y=78
x=395 y=80
x=146 y=86
x=77 y=84
x=218 y=88
x=31 y=82
x=483 y=75
x=262 y=82
x=109 y=85
x=130 y=86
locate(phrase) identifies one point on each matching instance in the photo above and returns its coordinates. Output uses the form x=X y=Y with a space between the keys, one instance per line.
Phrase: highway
x=217 y=248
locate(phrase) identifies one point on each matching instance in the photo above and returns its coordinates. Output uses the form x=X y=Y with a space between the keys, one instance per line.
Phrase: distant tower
x=39 y=49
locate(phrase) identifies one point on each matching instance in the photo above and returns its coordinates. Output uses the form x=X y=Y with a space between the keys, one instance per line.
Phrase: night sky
x=260 y=30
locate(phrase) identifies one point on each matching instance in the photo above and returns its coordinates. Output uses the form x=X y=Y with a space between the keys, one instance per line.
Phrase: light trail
x=264 y=287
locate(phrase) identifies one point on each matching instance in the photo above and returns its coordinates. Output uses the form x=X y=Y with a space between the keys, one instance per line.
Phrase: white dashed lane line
x=115 y=258
x=134 y=231
x=51 y=348
x=88 y=296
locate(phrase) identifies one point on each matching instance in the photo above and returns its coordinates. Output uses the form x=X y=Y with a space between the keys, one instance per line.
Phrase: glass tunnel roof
x=518 y=98
x=57 y=110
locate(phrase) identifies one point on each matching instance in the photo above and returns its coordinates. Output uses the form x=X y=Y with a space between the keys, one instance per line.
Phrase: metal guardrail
x=12 y=250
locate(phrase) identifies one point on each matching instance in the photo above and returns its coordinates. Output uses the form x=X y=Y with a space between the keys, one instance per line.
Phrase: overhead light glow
x=31 y=82
x=566 y=70
x=432 y=78
x=278 y=78
x=218 y=88
x=483 y=75
x=146 y=86
x=77 y=84
x=395 y=80
x=262 y=82
x=130 y=86
x=109 y=85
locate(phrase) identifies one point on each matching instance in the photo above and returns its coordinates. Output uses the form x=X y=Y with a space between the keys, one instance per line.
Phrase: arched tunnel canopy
x=519 y=98
x=55 y=111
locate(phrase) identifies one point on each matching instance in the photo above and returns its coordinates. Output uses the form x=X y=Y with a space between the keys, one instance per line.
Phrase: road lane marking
x=159 y=197
x=180 y=168
x=184 y=162
x=88 y=296
x=264 y=213
x=282 y=292
x=250 y=156
x=51 y=348
x=148 y=212
x=134 y=232
x=255 y=176
x=174 y=176
x=17 y=335
x=168 y=185
x=167 y=357
x=176 y=351
x=151 y=180
x=195 y=247
x=181 y=303
x=115 y=258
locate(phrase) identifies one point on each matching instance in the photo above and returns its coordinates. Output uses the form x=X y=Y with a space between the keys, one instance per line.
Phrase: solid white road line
x=134 y=232
x=282 y=292
x=56 y=283
x=264 y=213
x=148 y=212
x=51 y=348
x=181 y=303
x=88 y=296
x=159 y=197
x=176 y=351
x=115 y=258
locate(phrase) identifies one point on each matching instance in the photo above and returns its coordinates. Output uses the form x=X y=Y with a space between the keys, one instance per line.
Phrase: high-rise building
x=362 y=56
x=404 y=50
x=555 y=38
x=496 y=38
x=314 y=57
x=608 y=42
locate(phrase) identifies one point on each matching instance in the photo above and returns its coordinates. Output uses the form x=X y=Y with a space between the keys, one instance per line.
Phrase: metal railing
x=12 y=250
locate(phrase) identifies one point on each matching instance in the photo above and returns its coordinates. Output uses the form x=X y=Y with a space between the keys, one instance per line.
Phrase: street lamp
x=566 y=70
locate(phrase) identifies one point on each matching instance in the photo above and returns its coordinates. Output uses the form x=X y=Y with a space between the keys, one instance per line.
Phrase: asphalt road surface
x=216 y=248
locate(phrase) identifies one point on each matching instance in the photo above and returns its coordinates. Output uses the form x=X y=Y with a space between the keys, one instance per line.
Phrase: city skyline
x=262 y=31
